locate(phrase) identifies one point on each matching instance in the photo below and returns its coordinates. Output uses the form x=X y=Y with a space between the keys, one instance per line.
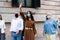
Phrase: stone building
x=52 y=6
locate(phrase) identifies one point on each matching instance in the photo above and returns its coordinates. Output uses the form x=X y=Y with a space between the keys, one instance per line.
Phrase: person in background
x=2 y=28
x=48 y=14
x=50 y=27
x=16 y=28
x=29 y=30
x=58 y=27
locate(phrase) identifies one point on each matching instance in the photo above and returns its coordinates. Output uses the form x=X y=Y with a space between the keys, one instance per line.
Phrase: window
x=27 y=3
x=19 y=1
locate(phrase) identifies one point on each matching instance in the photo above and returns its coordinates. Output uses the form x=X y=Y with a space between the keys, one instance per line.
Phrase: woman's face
x=28 y=14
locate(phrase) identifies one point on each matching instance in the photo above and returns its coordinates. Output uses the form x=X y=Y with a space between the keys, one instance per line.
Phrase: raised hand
x=21 y=4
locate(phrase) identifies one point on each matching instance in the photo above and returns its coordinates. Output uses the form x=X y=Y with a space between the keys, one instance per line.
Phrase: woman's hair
x=31 y=16
x=0 y=17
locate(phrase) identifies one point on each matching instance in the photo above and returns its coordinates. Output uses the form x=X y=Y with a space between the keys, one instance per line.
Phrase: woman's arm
x=21 y=13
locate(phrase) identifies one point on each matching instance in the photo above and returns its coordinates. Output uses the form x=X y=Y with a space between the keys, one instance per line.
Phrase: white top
x=16 y=25
x=2 y=26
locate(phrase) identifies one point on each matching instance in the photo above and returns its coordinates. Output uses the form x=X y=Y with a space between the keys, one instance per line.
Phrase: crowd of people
x=23 y=27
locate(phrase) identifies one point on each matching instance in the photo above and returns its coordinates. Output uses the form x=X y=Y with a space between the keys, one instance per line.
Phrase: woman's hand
x=20 y=6
x=35 y=35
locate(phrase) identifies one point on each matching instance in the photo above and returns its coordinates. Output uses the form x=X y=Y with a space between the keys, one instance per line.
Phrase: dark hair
x=31 y=16
x=46 y=18
x=16 y=15
x=0 y=17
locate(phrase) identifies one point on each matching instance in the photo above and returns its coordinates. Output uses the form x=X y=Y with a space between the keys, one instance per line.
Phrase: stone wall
x=52 y=6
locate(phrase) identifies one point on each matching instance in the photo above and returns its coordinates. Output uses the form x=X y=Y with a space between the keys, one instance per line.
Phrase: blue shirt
x=50 y=27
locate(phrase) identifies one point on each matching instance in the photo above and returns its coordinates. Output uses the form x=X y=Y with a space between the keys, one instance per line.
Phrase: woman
x=3 y=28
x=50 y=27
x=29 y=30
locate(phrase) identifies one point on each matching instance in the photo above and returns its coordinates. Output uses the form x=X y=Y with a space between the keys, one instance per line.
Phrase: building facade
x=52 y=6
